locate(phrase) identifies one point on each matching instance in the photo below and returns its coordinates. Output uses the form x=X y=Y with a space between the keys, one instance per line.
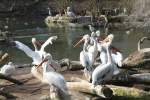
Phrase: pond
x=67 y=37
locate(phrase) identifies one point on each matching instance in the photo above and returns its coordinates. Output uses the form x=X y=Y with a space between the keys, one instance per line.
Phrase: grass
x=130 y=94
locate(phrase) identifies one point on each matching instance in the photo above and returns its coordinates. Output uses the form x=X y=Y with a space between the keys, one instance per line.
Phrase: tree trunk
x=10 y=79
x=86 y=87
x=7 y=95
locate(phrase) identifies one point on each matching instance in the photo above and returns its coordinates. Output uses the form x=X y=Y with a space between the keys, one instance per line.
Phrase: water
x=67 y=37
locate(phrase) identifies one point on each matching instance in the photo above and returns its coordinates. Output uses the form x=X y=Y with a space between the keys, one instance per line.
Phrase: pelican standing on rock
x=104 y=72
x=54 y=79
x=8 y=69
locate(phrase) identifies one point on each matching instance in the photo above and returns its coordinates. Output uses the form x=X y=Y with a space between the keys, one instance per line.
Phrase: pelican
x=37 y=54
x=70 y=13
x=115 y=53
x=91 y=28
x=36 y=57
x=105 y=19
x=8 y=69
x=49 y=11
x=141 y=41
x=53 y=78
x=87 y=56
x=34 y=70
x=104 y=72
x=139 y=56
x=42 y=49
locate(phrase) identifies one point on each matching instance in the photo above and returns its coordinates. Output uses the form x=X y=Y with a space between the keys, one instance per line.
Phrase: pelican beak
x=79 y=42
x=42 y=63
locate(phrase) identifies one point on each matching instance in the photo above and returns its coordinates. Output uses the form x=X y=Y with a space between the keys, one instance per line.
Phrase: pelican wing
x=117 y=58
x=84 y=59
x=29 y=52
x=56 y=79
x=102 y=73
x=47 y=42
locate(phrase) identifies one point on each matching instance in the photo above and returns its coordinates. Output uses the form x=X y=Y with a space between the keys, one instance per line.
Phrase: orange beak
x=79 y=42
x=106 y=40
x=42 y=63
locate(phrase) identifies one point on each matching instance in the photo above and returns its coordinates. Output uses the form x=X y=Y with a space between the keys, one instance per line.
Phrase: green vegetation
x=131 y=94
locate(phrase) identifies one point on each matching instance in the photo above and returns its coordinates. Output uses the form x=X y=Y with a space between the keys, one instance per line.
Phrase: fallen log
x=86 y=87
x=10 y=79
x=7 y=95
x=102 y=91
x=144 y=77
x=23 y=65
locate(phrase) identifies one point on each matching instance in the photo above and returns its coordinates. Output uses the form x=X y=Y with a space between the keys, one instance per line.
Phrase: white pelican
x=70 y=13
x=87 y=57
x=141 y=41
x=42 y=51
x=36 y=57
x=8 y=69
x=37 y=54
x=91 y=28
x=104 y=72
x=53 y=78
x=49 y=11
x=115 y=53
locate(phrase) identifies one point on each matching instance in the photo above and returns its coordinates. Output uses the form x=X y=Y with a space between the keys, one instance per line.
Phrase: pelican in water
x=54 y=79
x=8 y=69
x=87 y=55
x=104 y=72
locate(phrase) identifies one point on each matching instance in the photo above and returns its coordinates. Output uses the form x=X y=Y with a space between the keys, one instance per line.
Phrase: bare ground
x=33 y=89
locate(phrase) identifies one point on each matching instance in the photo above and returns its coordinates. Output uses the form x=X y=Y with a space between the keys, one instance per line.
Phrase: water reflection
x=63 y=47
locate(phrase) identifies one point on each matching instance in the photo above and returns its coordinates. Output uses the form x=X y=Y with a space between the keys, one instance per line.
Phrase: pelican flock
x=44 y=66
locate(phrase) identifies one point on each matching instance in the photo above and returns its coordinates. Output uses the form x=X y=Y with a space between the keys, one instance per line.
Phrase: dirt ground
x=33 y=89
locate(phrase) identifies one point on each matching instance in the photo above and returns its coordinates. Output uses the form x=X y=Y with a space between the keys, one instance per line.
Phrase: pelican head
x=98 y=33
x=68 y=8
x=10 y=63
x=108 y=40
x=84 y=38
x=33 y=40
x=46 y=58
x=93 y=34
